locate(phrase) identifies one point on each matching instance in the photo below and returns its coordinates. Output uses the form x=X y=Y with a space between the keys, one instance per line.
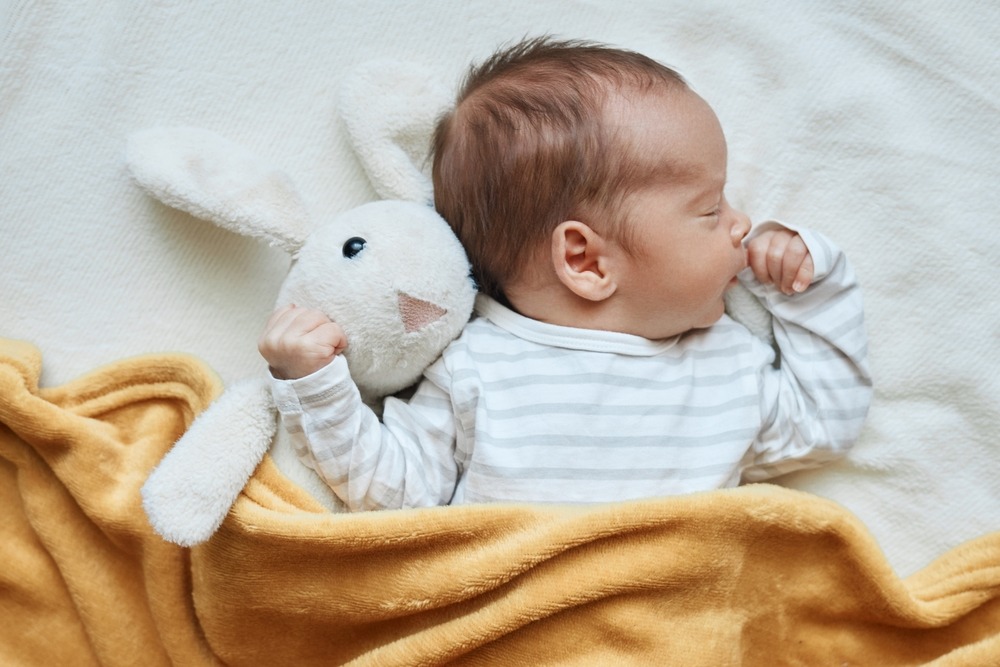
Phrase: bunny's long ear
x=212 y=178
x=390 y=108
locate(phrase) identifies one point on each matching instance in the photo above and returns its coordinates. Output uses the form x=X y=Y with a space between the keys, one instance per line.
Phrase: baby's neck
x=561 y=307
x=545 y=306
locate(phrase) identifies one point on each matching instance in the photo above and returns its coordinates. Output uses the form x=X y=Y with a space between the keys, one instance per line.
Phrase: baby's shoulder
x=479 y=331
x=479 y=336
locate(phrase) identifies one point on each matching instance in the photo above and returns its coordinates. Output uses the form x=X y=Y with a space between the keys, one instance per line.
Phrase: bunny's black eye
x=353 y=246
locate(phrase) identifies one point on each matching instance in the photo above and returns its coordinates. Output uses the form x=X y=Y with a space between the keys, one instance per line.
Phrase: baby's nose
x=741 y=227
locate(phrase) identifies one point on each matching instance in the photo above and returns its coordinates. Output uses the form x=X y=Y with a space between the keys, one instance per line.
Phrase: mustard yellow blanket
x=753 y=576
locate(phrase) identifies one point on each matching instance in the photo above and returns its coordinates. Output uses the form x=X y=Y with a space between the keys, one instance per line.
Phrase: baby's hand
x=297 y=342
x=780 y=257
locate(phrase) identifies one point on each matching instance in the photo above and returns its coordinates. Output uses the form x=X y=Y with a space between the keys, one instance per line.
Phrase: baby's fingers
x=796 y=267
x=286 y=327
x=329 y=336
x=780 y=257
x=765 y=254
x=804 y=276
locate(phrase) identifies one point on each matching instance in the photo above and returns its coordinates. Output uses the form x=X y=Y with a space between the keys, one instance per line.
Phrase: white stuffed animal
x=390 y=272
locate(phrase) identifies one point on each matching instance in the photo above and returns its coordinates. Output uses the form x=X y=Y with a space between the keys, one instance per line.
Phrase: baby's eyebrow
x=666 y=171
x=708 y=193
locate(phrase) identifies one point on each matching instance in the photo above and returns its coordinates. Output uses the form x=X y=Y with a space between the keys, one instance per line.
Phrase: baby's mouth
x=743 y=264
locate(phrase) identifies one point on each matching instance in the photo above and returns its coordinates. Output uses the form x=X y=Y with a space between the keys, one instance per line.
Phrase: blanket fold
x=756 y=575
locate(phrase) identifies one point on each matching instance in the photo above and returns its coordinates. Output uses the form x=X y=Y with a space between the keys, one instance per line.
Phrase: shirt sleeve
x=815 y=398
x=405 y=460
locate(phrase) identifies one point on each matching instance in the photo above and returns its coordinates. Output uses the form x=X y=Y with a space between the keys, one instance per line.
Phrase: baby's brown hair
x=526 y=148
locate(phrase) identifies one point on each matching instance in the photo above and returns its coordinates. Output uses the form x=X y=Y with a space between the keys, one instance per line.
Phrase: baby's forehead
x=654 y=107
x=671 y=138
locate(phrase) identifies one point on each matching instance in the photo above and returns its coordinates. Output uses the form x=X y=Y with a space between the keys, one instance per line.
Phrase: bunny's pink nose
x=417 y=313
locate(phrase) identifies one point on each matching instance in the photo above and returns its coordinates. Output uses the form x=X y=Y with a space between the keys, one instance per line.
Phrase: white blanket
x=876 y=123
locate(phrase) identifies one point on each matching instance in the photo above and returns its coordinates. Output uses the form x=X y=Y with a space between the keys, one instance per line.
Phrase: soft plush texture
x=874 y=123
x=754 y=576
x=390 y=273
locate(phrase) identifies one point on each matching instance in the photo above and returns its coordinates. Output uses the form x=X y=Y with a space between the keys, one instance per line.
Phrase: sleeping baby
x=586 y=184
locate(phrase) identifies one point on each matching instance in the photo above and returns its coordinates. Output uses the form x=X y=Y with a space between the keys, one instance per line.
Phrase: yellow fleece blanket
x=754 y=576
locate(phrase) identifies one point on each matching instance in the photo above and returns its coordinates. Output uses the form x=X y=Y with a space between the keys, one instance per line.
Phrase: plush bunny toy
x=390 y=272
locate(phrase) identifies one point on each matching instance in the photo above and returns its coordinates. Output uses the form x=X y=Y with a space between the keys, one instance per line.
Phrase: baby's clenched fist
x=297 y=342
x=780 y=257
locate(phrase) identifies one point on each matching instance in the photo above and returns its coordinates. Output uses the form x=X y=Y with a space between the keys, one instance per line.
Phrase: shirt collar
x=554 y=335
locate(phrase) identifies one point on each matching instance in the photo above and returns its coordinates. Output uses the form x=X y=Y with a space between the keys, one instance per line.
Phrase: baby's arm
x=406 y=462
x=815 y=400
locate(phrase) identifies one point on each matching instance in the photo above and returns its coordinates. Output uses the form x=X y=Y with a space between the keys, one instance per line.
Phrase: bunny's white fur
x=401 y=298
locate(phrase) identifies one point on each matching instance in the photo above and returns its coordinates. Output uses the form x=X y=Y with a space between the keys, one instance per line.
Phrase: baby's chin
x=712 y=315
x=702 y=318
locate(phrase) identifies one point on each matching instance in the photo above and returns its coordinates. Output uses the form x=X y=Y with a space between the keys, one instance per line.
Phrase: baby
x=587 y=186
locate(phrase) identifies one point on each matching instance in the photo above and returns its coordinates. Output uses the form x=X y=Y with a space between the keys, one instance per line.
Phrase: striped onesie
x=519 y=410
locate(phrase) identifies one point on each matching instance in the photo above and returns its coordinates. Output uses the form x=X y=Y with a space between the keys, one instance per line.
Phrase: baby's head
x=560 y=145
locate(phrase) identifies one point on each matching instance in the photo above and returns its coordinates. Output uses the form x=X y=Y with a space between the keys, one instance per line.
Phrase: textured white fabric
x=875 y=123
x=523 y=411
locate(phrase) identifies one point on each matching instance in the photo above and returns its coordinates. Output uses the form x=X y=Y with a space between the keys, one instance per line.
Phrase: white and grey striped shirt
x=518 y=410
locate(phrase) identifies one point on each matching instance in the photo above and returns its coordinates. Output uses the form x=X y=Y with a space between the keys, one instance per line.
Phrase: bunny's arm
x=189 y=493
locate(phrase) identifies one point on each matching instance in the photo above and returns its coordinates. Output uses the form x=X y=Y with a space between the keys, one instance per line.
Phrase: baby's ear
x=580 y=257
x=390 y=109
